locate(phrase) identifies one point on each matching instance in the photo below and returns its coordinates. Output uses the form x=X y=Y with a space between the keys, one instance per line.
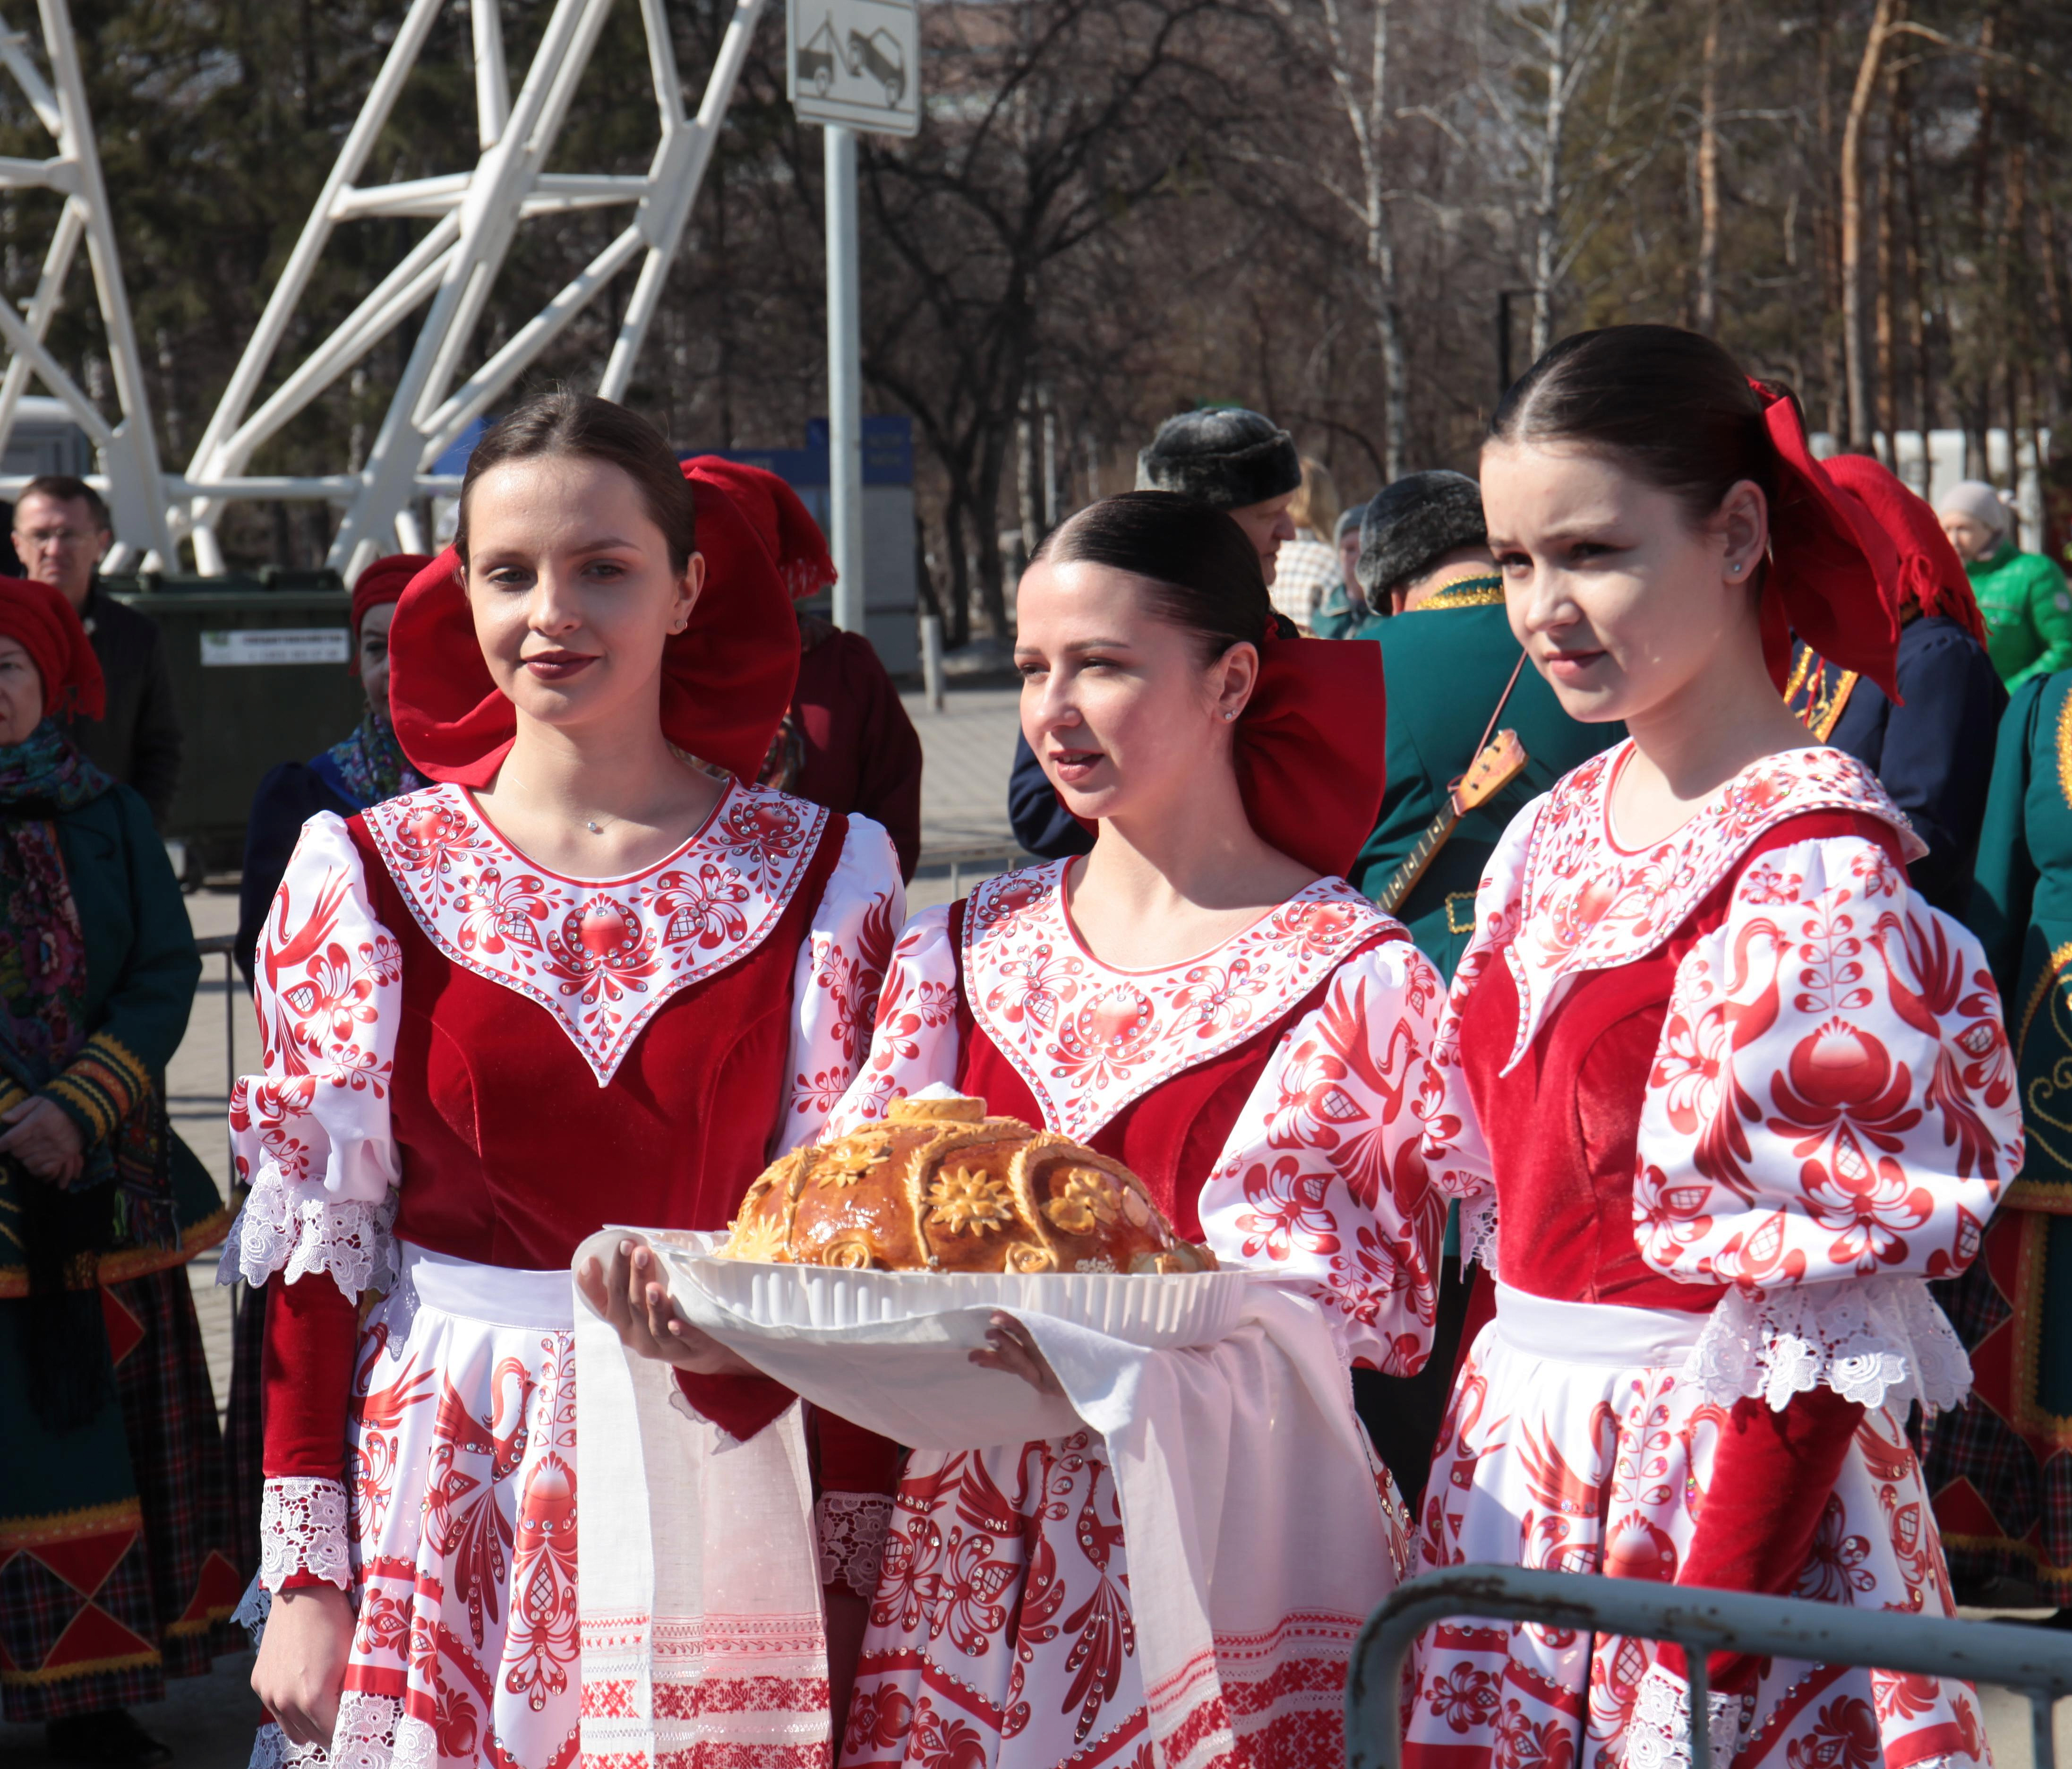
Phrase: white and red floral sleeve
x=915 y=1042
x=1829 y=1120
x=1459 y=1159
x=310 y=1135
x=1322 y=1185
x=834 y=987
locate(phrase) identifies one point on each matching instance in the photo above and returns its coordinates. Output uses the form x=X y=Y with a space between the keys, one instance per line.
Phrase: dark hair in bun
x=591 y=429
x=1203 y=575
x=1671 y=404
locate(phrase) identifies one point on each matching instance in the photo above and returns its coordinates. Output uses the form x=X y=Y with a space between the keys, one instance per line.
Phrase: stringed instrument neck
x=1500 y=763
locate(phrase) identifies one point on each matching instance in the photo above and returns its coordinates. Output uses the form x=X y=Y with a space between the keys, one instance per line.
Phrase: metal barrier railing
x=224 y=946
x=2036 y=1662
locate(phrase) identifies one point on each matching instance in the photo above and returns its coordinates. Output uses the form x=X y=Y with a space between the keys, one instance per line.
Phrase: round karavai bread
x=939 y=1187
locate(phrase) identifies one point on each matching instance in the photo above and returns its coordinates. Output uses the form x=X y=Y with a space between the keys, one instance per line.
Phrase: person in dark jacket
x=115 y=1573
x=358 y=771
x=1933 y=753
x=61 y=531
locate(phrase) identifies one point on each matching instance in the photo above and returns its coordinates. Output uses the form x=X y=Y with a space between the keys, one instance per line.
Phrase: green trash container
x=262 y=675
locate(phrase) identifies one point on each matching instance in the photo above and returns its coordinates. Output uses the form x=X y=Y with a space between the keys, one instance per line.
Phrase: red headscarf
x=1833 y=572
x=1930 y=570
x=781 y=520
x=46 y=626
x=383 y=581
x=727 y=678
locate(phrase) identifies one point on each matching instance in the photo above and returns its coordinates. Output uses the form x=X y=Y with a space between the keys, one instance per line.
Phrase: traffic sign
x=856 y=63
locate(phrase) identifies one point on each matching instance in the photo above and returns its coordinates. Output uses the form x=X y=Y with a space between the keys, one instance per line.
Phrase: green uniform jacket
x=2021 y=911
x=1445 y=666
x=2028 y=614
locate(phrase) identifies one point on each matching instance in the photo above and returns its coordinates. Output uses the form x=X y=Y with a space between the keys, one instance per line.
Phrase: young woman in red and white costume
x=580 y=978
x=1203 y=998
x=1722 y=1089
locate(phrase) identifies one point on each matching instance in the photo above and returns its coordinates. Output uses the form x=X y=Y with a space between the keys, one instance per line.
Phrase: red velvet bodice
x=1563 y=1127
x=512 y=1152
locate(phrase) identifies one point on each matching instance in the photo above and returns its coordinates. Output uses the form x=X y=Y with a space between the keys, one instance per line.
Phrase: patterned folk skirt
x=1002 y=1635
x=463 y=1527
x=115 y=1566
x=2000 y=1466
x=1571 y=1444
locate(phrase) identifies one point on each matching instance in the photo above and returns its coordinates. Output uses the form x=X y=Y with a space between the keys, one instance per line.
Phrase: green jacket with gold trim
x=1446 y=662
x=2021 y=911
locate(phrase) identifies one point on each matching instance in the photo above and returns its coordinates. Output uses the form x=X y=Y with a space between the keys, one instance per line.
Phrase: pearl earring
x=1230 y=715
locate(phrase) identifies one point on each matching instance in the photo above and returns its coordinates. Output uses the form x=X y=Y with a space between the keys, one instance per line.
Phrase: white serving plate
x=1158 y=1313
x=891 y=1350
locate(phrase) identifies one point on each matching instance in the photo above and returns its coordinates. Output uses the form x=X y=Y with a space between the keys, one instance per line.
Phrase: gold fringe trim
x=65 y=1673
x=1485 y=590
x=103 y=1084
x=26 y=1534
x=2064 y=751
x=138 y=1262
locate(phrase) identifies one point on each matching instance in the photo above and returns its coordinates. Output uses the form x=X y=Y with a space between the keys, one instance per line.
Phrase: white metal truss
x=455 y=266
x=128 y=452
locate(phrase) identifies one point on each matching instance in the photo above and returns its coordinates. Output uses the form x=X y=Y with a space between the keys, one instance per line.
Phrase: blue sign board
x=888 y=453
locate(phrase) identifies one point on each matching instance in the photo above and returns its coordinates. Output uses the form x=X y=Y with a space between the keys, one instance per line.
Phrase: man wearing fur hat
x=1231 y=460
x=1448 y=653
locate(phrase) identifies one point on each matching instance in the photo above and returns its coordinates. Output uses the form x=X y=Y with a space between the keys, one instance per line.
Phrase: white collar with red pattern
x=1586 y=903
x=1090 y=1040
x=600 y=954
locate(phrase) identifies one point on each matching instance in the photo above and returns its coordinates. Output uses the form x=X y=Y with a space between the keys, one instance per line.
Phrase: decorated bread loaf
x=939 y=1187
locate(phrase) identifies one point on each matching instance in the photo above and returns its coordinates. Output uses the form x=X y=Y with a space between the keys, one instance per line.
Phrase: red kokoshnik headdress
x=38 y=619
x=779 y=517
x=727 y=678
x=1833 y=573
x=1930 y=570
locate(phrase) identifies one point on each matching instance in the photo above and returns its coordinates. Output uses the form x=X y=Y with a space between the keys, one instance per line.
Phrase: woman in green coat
x=112 y=1502
x=2023 y=596
x=2000 y=1466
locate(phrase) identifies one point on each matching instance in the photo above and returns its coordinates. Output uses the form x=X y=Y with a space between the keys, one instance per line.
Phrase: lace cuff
x=278 y=1232
x=1658 y=1735
x=302 y=1529
x=852 y=1527
x=1873 y=1340
x=1478 y=1231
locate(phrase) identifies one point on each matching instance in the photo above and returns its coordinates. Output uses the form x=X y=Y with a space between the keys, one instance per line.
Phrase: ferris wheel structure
x=451 y=271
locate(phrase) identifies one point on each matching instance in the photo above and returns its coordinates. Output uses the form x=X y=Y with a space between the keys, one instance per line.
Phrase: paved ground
x=969 y=748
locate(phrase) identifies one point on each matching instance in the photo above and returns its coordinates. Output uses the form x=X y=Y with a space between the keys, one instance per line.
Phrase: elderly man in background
x=1343 y=612
x=1307 y=566
x=2022 y=595
x=61 y=531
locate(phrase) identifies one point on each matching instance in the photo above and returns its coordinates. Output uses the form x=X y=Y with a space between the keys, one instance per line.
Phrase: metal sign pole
x=844 y=380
